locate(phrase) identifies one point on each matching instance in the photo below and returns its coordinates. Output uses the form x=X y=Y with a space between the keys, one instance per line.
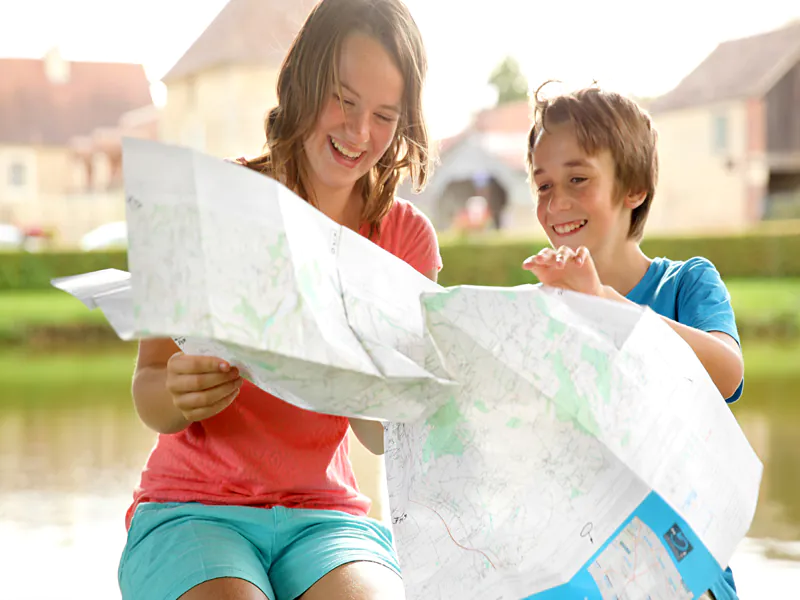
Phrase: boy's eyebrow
x=577 y=162
x=392 y=107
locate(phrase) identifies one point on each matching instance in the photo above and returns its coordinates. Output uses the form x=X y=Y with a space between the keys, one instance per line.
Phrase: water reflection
x=67 y=471
x=769 y=415
x=66 y=476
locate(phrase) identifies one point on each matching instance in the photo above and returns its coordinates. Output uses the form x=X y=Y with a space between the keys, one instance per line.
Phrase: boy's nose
x=558 y=201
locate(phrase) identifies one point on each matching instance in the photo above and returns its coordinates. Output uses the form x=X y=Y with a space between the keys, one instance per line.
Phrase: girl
x=244 y=496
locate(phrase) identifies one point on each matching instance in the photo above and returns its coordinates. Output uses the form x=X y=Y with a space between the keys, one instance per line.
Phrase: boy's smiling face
x=576 y=198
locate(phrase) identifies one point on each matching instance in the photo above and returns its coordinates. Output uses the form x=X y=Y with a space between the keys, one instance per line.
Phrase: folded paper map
x=540 y=444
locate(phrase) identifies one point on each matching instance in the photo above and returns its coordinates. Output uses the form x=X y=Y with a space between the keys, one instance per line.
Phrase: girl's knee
x=225 y=588
x=361 y=580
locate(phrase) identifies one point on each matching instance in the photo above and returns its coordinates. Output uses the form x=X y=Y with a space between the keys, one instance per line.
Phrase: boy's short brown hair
x=606 y=120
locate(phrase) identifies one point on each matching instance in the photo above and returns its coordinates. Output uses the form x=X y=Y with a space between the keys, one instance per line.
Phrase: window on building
x=101 y=171
x=720 y=133
x=17 y=177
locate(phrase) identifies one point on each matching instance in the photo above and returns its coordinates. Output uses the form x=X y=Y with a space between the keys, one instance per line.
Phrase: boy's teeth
x=347 y=153
x=567 y=228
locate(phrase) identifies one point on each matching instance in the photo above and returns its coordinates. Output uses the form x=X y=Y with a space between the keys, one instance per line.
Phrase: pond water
x=67 y=471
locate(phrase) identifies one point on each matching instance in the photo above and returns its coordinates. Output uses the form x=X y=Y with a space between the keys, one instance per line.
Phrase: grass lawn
x=108 y=369
x=766 y=360
x=751 y=298
x=754 y=297
x=43 y=307
x=99 y=377
x=67 y=376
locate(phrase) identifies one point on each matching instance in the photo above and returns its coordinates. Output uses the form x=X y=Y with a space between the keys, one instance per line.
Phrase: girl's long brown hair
x=308 y=76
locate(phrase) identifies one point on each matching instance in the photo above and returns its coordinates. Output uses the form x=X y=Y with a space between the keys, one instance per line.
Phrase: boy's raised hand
x=566 y=268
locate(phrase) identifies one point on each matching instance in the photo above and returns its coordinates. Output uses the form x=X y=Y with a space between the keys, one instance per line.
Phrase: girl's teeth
x=347 y=153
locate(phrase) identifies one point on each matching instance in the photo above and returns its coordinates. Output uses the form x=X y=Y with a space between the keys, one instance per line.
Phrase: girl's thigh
x=173 y=548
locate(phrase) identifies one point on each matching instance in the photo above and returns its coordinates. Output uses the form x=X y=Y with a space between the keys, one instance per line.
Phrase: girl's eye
x=385 y=119
x=345 y=102
x=544 y=187
x=578 y=179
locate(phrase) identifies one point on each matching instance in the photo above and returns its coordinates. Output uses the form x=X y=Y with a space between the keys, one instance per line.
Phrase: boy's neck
x=624 y=268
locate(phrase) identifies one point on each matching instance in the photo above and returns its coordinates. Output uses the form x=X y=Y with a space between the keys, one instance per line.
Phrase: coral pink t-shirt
x=263 y=452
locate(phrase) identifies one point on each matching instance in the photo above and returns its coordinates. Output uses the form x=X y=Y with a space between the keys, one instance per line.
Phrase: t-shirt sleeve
x=420 y=246
x=705 y=303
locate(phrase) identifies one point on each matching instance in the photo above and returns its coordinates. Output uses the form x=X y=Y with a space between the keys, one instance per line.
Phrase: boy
x=593 y=167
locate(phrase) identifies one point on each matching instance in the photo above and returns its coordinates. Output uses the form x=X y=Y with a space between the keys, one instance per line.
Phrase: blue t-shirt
x=692 y=293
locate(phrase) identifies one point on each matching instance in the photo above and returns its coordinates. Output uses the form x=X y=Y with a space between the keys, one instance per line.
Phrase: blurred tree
x=508 y=80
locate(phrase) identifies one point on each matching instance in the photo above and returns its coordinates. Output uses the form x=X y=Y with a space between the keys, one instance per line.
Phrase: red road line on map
x=455 y=541
x=633 y=576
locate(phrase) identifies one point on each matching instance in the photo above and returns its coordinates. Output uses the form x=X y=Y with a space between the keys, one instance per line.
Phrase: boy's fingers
x=538 y=259
x=564 y=255
x=546 y=257
x=533 y=261
x=536 y=266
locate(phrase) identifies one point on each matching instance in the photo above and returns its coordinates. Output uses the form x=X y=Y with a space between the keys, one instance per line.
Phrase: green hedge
x=493 y=261
x=485 y=260
x=29 y=271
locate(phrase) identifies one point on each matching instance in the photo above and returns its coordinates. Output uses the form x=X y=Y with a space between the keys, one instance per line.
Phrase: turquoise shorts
x=173 y=547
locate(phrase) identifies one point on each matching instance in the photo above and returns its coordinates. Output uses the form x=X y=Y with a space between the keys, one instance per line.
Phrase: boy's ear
x=634 y=199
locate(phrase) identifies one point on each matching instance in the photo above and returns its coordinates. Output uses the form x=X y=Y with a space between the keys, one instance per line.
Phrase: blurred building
x=730 y=137
x=485 y=160
x=44 y=104
x=95 y=195
x=729 y=148
x=220 y=90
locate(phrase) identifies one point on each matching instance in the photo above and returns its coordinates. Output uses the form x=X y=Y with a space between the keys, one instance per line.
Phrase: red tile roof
x=503 y=131
x=35 y=109
x=514 y=117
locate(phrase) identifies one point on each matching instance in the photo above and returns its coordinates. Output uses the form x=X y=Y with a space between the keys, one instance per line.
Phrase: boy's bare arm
x=574 y=270
x=718 y=352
